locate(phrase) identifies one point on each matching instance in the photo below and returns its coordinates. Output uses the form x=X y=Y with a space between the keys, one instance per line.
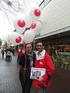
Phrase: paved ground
x=60 y=82
x=9 y=81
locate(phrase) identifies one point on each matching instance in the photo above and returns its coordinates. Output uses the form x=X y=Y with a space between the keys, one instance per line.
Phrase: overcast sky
x=5 y=26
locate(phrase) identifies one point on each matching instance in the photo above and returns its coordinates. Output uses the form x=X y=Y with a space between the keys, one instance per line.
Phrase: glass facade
x=60 y=55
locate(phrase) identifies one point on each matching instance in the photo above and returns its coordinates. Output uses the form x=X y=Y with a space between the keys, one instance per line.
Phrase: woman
x=27 y=63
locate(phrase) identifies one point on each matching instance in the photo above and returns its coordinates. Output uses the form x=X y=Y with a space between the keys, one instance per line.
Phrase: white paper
x=36 y=72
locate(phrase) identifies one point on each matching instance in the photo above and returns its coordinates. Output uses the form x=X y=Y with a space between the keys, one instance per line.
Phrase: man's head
x=39 y=46
x=28 y=48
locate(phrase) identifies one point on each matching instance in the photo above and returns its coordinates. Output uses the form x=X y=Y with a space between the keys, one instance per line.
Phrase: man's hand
x=40 y=78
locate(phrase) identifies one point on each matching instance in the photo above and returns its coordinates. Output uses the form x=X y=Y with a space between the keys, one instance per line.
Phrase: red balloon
x=33 y=26
x=37 y=12
x=21 y=23
x=18 y=39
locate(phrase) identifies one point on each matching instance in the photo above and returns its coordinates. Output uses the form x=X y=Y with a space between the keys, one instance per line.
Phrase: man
x=43 y=60
x=28 y=62
x=2 y=53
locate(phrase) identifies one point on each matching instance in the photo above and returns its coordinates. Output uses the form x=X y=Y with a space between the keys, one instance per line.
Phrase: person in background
x=13 y=51
x=26 y=64
x=20 y=54
x=43 y=60
x=2 y=51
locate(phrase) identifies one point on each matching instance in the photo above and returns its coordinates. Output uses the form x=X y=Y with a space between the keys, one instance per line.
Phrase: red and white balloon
x=33 y=26
x=21 y=23
x=37 y=12
x=18 y=39
x=15 y=38
x=38 y=27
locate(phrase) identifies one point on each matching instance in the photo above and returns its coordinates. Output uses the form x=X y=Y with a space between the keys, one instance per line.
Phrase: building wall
x=56 y=17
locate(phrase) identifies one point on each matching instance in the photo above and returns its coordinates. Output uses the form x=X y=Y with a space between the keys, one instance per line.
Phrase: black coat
x=25 y=69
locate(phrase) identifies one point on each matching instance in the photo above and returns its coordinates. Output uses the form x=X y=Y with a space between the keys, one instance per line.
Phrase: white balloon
x=38 y=28
x=28 y=20
x=35 y=18
x=12 y=38
x=31 y=17
x=29 y=36
x=19 y=29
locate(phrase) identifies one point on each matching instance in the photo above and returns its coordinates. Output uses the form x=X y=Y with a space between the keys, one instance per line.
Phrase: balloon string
x=26 y=30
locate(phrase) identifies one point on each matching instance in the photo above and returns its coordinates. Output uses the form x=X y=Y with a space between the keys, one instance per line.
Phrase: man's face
x=39 y=46
x=28 y=48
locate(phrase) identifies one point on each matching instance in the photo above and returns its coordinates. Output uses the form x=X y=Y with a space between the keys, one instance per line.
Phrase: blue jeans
x=41 y=91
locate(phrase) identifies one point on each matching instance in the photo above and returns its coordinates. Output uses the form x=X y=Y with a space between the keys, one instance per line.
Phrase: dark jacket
x=25 y=69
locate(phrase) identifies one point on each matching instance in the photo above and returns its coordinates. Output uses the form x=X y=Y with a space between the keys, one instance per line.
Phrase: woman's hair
x=28 y=44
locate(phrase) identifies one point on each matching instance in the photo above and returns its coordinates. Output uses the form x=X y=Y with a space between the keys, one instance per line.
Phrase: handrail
x=41 y=3
x=44 y=3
